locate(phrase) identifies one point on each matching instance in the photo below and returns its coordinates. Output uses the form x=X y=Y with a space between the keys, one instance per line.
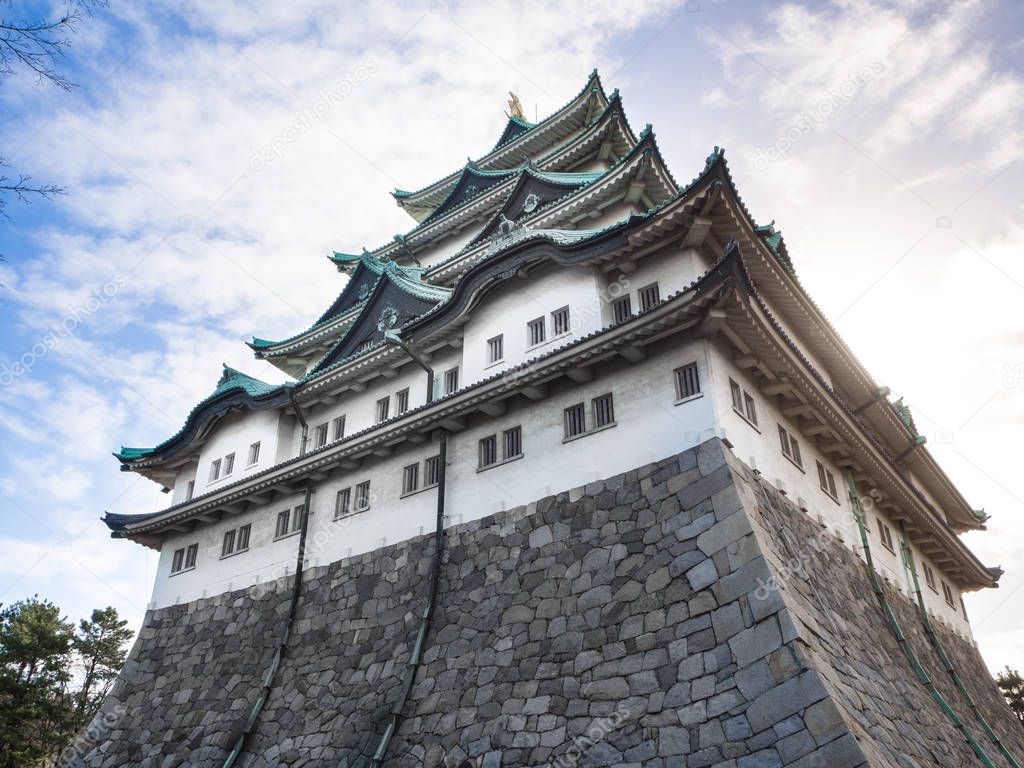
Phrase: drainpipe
x=302 y=421
x=391 y=337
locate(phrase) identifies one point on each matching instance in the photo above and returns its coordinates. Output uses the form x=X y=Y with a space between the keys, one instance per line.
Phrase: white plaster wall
x=448 y=246
x=761 y=449
x=234 y=434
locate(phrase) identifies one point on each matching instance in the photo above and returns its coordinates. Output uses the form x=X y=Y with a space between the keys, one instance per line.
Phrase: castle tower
x=574 y=471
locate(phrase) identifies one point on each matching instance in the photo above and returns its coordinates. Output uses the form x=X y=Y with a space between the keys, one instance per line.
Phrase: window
x=282 y=523
x=649 y=296
x=575 y=420
x=229 y=543
x=184 y=558
x=242 y=542
x=383 y=405
x=339 y=427
x=190 y=489
x=496 y=349
x=560 y=321
x=513 y=442
x=363 y=496
x=489 y=451
x=622 y=309
x=604 y=414
x=929 y=577
x=827 y=481
x=229 y=464
x=431 y=471
x=947 y=593
x=298 y=515
x=254 y=453
x=411 y=478
x=214 y=470
x=885 y=534
x=178 y=561
x=687 y=382
x=535 y=332
x=321 y=435
x=402 y=401
x=743 y=403
x=190 y=556
x=451 y=380
x=342 y=503
x=790 y=447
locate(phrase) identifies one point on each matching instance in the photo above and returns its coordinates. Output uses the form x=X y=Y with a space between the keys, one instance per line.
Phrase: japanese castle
x=561 y=310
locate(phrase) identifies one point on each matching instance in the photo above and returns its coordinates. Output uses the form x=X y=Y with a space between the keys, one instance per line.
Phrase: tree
x=1011 y=684
x=53 y=677
x=36 y=44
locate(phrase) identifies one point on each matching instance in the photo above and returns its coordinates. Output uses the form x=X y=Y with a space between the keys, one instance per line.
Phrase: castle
x=572 y=472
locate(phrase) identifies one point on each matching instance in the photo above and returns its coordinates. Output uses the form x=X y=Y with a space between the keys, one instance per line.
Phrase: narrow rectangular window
x=737 y=397
x=254 y=453
x=496 y=349
x=190 y=489
x=282 y=523
x=929 y=577
x=790 y=447
x=229 y=464
x=947 y=593
x=513 y=442
x=383 y=406
x=321 y=435
x=488 y=451
x=411 y=478
x=560 y=321
x=229 y=543
x=214 y=470
x=431 y=471
x=622 y=309
x=687 y=381
x=535 y=332
x=575 y=420
x=886 y=536
x=190 y=555
x=363 y=496
x=242 y=543
x=604 y=413
x=402 y=401
x=451 y=380
x=298 y=515
x=339 y=428
x=649 y=296
x=178 y=561
x=342 y=503
x=748 y=402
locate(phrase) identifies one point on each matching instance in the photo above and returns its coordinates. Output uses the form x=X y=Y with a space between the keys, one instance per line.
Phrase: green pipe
x=894 y=625
x=908 y=563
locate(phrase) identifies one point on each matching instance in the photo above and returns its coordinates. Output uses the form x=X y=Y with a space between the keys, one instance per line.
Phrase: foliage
x=53 y=677
x=1011 y=684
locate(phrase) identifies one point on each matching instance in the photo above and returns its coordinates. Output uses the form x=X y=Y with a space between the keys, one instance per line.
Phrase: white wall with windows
x=224 y=457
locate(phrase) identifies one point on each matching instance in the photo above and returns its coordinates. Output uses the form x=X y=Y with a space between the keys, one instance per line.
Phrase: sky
x=215 y=152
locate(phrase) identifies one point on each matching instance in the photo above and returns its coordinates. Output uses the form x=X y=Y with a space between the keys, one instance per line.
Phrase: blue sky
x=885 y=139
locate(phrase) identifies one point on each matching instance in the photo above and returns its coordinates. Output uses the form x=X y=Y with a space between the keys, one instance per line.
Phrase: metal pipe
x=302 y=421
x=391 y=337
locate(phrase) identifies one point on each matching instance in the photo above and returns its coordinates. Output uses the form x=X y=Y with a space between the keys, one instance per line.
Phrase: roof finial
x=515 y=107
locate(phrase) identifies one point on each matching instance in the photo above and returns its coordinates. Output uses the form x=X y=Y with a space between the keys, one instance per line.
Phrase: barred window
x=383 y=406
x=575 y=420
x=229 y=543
x=496 y=348
x=451 y=380
x=178 y=561
x=827 y=481
x=190 y=490
x=342 y=503
x=790 y=447
x=488 y=451
x=402 y=401
x=298 y=515
x=254 y=453
x=622 y=309
x=513 y=442
x=431 y=471
x=363 y=496
x=560 y=321
x=649 y=296
x=242 y=542
x=885 y=534
x=410 y=478
x=190 y=555
x=339 y=428
x=737 y=396
x=214 y=470
x=604 y=413
x=947 y=593
x=535 y=332
x=687 y=381
x=229 y=464
x=929 y=577
x=321 y=435
x=283 y=518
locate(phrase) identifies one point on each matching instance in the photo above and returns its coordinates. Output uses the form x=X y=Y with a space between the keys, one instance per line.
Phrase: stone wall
x=656 y=618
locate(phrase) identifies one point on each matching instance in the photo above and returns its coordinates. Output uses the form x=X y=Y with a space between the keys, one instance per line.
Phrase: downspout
x=908 y=563
x=416 y=658
x=300 y=557
x=901 y=638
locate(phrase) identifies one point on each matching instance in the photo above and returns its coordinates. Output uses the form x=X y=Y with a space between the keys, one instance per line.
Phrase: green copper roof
x=902 y=411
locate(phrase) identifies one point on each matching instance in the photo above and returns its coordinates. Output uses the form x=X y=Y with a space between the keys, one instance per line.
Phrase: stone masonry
x=657 y=618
